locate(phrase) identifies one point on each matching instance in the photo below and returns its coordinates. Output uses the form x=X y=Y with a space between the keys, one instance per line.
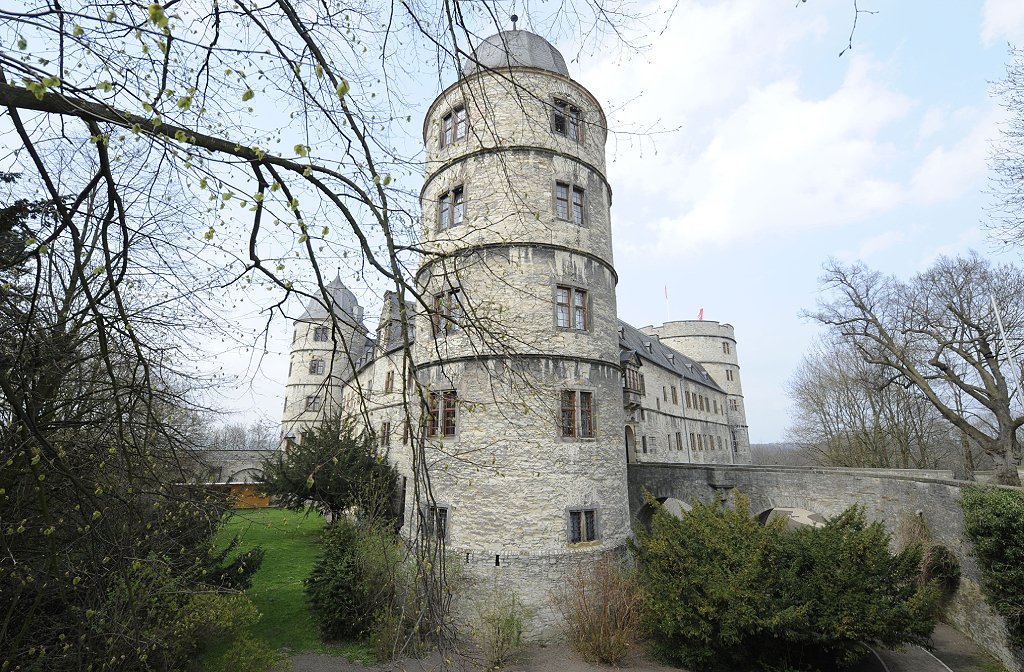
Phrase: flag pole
x=1014 y=365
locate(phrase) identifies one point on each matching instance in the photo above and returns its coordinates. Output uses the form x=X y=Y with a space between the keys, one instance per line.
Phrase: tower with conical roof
x=518 y=356
x=327 y=342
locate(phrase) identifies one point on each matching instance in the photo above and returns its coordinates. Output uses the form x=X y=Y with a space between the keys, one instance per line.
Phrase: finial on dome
x=514 y=19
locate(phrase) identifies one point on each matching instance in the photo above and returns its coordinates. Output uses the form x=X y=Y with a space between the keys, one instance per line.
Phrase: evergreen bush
x=721 y=592
x=995 y=524
x=355 y=577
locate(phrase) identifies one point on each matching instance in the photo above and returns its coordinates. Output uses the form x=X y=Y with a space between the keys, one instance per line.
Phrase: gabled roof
x=652 y=350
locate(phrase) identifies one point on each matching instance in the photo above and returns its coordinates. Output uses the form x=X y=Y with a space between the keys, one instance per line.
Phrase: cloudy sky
x=745 y=152
x=778 y=154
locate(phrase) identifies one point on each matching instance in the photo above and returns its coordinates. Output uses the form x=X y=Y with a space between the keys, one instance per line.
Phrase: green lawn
x=290 y=541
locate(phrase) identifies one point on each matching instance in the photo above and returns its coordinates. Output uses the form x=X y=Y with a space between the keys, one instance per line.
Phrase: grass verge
x=290 y=540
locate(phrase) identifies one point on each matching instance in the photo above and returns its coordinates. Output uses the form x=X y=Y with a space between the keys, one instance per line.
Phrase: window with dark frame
x=317 y=366
x=441 y=413
x=313 y=403
x=385 y=434
x=726 y=347
x=633 y=380
x=679 y=440
x=571 y=310
x=582 y=525
x=451 y=208
x=448 y=313
x=389 y=381
x=734 y=405
x=576 y=414
x=321 y=334
x=437 y=522
x=453 y=126
x=567 y=195
x=565 y=120
x=675 y=395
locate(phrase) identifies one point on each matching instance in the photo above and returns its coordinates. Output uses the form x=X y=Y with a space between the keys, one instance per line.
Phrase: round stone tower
x=323 y=356
x=713 y=344
x=518 y=355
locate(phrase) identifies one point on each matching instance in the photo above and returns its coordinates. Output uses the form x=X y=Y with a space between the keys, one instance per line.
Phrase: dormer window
x=453 y=126
x=565 y=120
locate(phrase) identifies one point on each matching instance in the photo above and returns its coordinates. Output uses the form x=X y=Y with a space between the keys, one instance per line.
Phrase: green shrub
x=500 y=627
x=722 y=592
x=995 y=524
x=601 y=608
x=354 y=577
x=247 y=654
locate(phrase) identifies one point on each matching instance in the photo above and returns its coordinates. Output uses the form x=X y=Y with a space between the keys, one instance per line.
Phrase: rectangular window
x=566 y=195
x=562 y=200
x=577 y=205
x=448 y=312
x=675 y=396
x=632 y=379
x=689 y=402
x=566 y=120
x=718 y=440
x=734 y=405
x=321 y=334
x=693 y=441
x=576 y=414
x=586 y=415
x=451 y=208
x=317 y=366
x=664 y=393
x=582 y=526
x=406 y=432
x=313 y=403
x=571 y=308
x=441 y=413
x=715 y=404
x=568 y=413
x=385 y=434
x=728 y=374
x=726 y=348
x=643 y=444
x=437 y=522
x=389 y=381
x=679 y=440
x=453 y=126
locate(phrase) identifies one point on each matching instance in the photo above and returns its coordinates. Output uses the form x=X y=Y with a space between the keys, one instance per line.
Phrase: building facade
x=514 y=385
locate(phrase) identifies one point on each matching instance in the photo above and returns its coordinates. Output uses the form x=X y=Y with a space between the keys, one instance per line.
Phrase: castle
x=526 y=394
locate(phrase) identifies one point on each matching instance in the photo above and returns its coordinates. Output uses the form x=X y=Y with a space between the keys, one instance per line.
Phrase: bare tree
x=939 y=333
x=1006 y=156
x=853 y=413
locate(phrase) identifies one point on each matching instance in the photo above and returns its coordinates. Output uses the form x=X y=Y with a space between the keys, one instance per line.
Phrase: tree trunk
x=1006 y=465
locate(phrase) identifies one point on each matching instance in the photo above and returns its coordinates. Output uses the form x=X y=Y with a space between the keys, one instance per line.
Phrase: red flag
x=700 y=314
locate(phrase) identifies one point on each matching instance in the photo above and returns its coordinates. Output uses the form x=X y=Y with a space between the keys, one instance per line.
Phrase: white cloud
x=777 y=162
x=947 y=172
x=1002 y=20
x=882 y=242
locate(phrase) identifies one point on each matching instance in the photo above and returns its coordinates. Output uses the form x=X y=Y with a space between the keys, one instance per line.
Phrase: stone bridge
x=888 y=495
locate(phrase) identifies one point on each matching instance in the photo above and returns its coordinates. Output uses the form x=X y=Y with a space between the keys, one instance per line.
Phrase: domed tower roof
x=515 y=48
x=343 y=302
